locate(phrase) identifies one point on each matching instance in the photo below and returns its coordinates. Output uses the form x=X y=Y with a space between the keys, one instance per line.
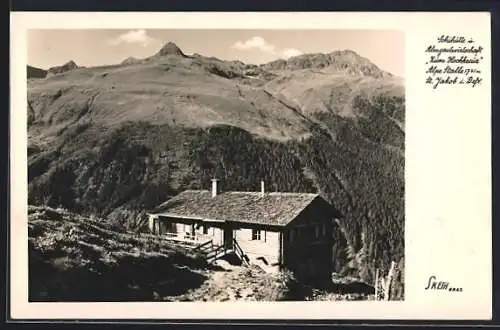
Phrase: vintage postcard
x=250 y=166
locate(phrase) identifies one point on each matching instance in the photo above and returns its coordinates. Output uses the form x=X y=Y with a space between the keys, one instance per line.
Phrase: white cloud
x=133 y=37
x=255 y=43
x=291 y=52
x=259 y=43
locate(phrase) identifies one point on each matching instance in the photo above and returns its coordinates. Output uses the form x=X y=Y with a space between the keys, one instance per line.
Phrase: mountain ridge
x=34 y=72
x=302 y=61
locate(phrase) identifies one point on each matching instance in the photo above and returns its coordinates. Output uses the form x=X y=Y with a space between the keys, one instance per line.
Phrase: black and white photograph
x=198 y=165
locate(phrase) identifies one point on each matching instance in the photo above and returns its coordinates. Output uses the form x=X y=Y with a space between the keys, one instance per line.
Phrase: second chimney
x=215 y=188
x=262 y=188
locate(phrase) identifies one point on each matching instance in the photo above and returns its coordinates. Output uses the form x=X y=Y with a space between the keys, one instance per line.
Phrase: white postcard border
x=448 y=173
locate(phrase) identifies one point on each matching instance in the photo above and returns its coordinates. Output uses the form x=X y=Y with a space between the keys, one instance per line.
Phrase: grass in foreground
x=73 y=258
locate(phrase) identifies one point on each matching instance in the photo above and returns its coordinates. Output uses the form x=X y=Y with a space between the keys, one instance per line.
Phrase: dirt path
x=240 y=283
x=232 y=283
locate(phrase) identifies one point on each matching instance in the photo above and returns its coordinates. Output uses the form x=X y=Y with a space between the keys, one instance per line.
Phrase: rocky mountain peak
x=71 y=65
x=170 y=48
x=347 y=61
x=130 y=60
x=68 y=66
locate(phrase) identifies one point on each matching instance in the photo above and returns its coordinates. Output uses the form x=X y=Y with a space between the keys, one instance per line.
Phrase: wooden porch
x=213 y=240
x=213 y=251
x=188 y=238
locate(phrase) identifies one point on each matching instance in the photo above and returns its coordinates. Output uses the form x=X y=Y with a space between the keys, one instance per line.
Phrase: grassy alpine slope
x=74 y=258
x=115 y=141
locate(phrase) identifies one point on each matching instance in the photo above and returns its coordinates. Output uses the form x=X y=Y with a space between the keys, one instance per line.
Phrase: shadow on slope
x=72 y=258
x=358 y=287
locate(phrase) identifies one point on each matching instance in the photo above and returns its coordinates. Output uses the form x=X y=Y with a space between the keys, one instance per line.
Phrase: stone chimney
x=215 y=187
x=262 y=188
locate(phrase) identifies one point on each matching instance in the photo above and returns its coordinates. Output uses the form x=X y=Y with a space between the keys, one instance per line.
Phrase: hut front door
x=228 y=237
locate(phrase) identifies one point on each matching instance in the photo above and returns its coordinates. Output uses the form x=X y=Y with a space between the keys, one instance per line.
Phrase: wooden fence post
x=387 y=292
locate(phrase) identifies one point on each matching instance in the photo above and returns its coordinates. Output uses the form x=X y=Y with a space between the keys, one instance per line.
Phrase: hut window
x=256 y=235
x=205 y=230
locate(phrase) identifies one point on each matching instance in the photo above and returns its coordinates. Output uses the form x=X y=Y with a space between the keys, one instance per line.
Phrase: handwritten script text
x=453 y=60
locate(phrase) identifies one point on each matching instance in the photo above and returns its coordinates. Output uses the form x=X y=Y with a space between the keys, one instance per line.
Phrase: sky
x=93 y=47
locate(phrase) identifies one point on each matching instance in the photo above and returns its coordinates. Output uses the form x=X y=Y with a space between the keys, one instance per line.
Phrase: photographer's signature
x=434 y=284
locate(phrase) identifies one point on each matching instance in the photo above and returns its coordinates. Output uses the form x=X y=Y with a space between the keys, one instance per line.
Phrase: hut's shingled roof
x=274 y=208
